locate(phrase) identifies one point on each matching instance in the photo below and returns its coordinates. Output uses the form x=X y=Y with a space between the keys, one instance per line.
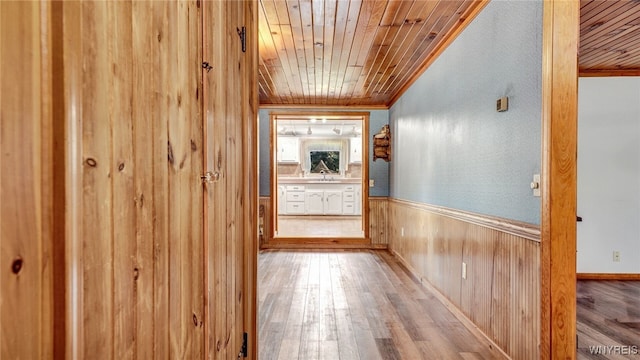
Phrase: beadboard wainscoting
x=265 y=220
x=500 y=293
x=378 y=221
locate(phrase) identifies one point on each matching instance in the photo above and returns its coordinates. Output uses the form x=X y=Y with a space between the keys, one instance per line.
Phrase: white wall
x=609 y=174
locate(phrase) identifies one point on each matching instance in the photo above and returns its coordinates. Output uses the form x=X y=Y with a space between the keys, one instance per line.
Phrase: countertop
x=314 y=180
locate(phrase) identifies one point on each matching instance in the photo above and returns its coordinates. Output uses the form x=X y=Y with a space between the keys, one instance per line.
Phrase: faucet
x=324 y=175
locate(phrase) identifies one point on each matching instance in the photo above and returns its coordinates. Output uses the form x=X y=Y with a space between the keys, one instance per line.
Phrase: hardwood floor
x=608 y=315
x=320 y=226
x=355 y=305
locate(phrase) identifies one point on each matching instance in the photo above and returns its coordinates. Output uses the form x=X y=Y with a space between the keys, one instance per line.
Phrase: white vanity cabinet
x=295 y=200
x=333 y=202
x=349 y=200
x=319 y=198
x=314 y=201
x=323 y=202
x=282 y=200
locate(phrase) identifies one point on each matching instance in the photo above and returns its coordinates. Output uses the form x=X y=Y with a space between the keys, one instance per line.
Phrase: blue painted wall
x=264 y=165
x=378 y=170
x=452 y=148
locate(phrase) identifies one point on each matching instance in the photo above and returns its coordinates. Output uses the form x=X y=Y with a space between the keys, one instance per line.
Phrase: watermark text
x=614 y=350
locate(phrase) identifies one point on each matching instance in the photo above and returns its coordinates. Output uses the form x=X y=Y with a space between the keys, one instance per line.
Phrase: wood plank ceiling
x=609 y=37
x=368 y=52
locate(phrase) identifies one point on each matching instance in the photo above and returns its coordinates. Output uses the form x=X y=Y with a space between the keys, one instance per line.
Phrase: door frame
x=560 y=37
x=319 y=242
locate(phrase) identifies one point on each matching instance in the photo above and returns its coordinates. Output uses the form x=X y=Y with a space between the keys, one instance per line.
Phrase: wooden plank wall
x=26 y=189
x=229 y=113
x=141 y=152
x=102 y=205
x=501 y=294
x=378 y=222
x=250 y=121
x=265 y=220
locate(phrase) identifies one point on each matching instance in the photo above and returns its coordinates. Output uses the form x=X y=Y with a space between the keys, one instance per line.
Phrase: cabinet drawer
x=295 y=196
x=295 y=208
x=349 y=188
x=348 y=196
x=348 y=208
x=295 y=187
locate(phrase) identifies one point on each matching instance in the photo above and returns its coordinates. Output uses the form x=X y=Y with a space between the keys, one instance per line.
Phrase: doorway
x=318 y=176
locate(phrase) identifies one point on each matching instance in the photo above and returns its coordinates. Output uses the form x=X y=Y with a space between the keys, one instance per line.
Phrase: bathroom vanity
x=315 y=196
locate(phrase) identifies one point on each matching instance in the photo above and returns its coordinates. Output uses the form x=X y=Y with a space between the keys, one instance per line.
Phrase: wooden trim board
x=600 y=276
x=518 y=228
x=560 y=34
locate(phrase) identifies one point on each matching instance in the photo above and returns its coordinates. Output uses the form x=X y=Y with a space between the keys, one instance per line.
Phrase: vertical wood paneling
x=251 y=176
x=143 y=54
x=162 y=15
x=265 y=219
x=230 y=116
x=97 y=199
x=378 y=209
x=141 y=150
x=26 y=323
x=119 y=122
x=67 y=102
x=501 y=292
x=235 y=166
x=216 y=128
x=122 y=173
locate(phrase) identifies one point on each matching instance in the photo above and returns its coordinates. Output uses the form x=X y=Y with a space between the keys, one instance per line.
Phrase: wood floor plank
x=608 y=319
x=347 y=348
x=355 y=305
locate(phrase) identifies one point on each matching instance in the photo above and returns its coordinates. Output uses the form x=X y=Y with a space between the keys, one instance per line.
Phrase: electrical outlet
x=464 y=270
x=616 y=256
x=402 y=231
x=372 y=182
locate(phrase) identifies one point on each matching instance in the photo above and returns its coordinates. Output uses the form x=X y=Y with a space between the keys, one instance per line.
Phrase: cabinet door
x=355 y=153
x=333 y=202
x=314 y=202
x=288 y=149
x=282 y=197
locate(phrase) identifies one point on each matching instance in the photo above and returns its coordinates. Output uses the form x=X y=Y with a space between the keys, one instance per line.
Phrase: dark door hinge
x=243 y=349
x=243 y=38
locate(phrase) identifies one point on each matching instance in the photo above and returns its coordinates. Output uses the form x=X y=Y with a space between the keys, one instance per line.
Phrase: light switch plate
x=535 y=185
x=371 y=183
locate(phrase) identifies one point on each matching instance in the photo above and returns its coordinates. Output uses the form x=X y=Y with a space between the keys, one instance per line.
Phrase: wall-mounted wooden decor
x=382 y=144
